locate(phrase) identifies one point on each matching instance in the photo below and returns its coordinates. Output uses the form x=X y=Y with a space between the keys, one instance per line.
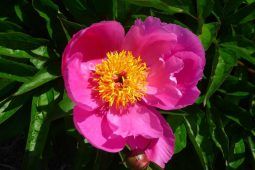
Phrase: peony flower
x=117 y=81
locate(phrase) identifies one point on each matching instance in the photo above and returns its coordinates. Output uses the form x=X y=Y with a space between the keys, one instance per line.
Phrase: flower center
x=121 y=78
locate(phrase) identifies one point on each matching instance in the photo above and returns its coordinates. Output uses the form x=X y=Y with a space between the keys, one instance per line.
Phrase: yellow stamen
x=121 y=78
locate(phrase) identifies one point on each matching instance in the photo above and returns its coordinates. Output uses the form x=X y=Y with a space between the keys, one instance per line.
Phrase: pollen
x=121 y=79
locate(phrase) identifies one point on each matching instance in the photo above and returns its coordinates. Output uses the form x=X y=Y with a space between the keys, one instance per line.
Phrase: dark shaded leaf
x=158 y=5
x=15 y=71
x=7 y=26
x=223 y=64
x=217 y=131
x=198 y=132
x=11 y=106
x=243 y=15
x=48 y=10
x=43 y=76
x=18 y=40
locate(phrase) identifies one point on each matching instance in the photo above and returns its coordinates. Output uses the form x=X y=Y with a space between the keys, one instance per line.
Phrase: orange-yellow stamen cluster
x=121 y=78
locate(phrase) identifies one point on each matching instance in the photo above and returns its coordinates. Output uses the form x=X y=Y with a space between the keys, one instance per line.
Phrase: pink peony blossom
x=117 y=81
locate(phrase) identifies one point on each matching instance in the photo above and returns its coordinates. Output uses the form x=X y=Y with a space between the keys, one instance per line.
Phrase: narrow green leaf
x=62 y=109
x=241 y=52
x=237 y=150
x=158 y=5
x=40 y=78
x=70 y=26
x=15 y=71
x=204 y=8
x=198 y=132
x=236 y=113
x=18 y=40
x=251 y=145
x=38 y=131
x=243 y=15
x=217 y=131
x=49 y=11
x=7 y=26
x=81 y=11
x=209 y=33
x=14 y=53
x=223 y=64
x=6 y=85
x=11 y=106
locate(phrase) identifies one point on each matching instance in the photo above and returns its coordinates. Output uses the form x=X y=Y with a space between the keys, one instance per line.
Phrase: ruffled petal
x=192 y=70
x=189 y=96
x=186 y=41
x=162 y=91
x=95 y=41
x=160 y=151
x=94 y=127
x=136 y=120
x=149 y=40
x=77 y=76
x=188 y=78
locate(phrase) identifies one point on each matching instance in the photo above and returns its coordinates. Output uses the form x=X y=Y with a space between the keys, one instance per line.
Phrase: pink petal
x=189 y=97
x=94 y=127
x=188 y=78
x=160 y=151
x=149 y=40
x=77 y=76
x=95 y=41
x=186 y=41
x=138 y=143
x=192 y=71
x=137 y=120
x=162 y=91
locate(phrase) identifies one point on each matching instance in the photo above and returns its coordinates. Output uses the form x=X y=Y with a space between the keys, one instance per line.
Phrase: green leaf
x=81 y=11
x=237 y=150
x=209 y=34
x=236 y=113
x=204 y=8
x=48 y=10
x=43 y=76
x=243 y=15
x=198 y=132
x=71 y=27
x=217 y=131
x=62 y=109
x=174 y=112
x=223 y=64
x=178 y=126
x=11 y=106
x=15 y=71
x=238 y=154
x=251 y=145
x=14 y=53
x=158 y=5
x=7 y=26
x=18 y=40
x=6 y=86
x=241 y=52
x=233 y=84
x=38 y=131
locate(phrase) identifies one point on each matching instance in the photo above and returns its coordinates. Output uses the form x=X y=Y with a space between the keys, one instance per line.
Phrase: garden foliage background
x=36 y=129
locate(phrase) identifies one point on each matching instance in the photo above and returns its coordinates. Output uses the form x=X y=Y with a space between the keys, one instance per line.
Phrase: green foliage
x=217 y=132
